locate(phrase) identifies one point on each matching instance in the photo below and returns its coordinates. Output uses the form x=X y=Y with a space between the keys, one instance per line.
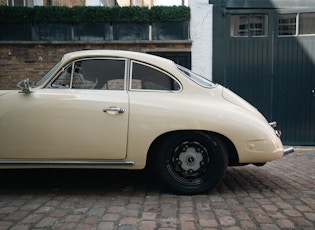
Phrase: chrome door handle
x=114 y=110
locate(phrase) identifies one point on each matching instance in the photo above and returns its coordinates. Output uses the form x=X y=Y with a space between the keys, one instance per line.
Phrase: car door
x=82 y=114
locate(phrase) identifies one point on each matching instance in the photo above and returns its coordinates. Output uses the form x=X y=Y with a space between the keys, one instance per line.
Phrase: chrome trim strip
x=66 y=163
x=288 y=150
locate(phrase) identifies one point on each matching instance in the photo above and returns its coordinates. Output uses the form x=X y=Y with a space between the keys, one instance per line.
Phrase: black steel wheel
x=191 y=162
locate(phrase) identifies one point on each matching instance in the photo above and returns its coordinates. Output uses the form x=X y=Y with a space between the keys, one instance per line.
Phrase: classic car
x=125 y=110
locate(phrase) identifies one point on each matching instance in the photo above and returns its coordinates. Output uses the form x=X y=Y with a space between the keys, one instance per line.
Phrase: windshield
x=204 y=82
x=47 y=75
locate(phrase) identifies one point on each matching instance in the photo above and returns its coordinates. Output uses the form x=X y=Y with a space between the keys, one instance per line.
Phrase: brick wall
x=20 y=60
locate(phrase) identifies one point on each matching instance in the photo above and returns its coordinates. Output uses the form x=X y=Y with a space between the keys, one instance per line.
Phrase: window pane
x=239 y=26
x=149 y=78
x=15 y=2
x=196 y=78
x=287 y=24
x=63 y=79
x=307 y=23
x=258 y=25
x=99 y=74
x=92 y=74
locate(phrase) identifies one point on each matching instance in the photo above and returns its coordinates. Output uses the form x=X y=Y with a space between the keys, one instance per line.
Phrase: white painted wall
x=201 y=24
x=38 y=2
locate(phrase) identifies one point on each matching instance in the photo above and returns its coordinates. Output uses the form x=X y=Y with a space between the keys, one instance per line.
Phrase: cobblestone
x=279 y=195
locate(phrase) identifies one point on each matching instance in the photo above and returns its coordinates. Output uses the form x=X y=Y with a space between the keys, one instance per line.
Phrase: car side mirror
x=25 y=85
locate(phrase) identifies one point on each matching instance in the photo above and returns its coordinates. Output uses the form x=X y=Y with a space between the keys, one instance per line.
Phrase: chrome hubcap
x=189 y=162
x=190 y=159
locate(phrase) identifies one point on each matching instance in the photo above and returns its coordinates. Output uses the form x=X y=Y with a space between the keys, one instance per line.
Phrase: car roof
x=119 y=54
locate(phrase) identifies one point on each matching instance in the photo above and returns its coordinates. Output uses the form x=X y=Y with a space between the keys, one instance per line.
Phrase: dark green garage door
x=267 y=56
x=294 y=84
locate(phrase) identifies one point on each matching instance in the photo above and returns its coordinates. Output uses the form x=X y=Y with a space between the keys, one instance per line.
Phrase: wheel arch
x=233 y=158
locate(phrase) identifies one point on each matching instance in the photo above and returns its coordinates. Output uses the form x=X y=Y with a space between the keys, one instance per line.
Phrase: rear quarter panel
x=155 y=113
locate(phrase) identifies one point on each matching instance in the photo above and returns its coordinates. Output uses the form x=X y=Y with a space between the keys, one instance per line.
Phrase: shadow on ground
x=69 y=181
x=75 y=180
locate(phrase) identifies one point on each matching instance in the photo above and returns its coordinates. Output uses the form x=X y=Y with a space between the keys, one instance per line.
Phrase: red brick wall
x=32 y=60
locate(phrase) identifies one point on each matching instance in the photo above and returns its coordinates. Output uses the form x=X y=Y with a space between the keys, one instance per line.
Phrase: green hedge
x=93 y=14
x=130 y=14
x=169 y=14
x=16 y=14
x=53 y=14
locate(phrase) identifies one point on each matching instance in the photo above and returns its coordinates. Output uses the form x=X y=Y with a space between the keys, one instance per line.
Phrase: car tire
x=191 y=162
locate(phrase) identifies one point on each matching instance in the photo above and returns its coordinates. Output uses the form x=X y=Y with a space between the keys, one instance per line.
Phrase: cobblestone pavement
x=279 y=195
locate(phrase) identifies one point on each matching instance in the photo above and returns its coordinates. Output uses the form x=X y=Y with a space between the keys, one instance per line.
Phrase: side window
x=93 y=74
x=252 y=25
x=63 y=79
x=307 y=22
x=149 y=78
x=296 y=24
x=287 y=24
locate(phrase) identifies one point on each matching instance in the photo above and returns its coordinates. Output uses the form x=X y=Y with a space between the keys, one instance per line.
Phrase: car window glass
x=93 y=74
x=204 y=82
x=64 y=78
x=149 y=78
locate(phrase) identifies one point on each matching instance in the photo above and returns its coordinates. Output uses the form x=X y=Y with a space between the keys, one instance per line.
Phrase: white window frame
x=297 y=25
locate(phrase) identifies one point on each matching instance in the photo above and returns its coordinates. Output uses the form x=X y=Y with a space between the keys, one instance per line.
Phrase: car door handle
x=114 y=110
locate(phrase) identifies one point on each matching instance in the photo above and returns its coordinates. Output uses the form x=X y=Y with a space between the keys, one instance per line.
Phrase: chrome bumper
x=288 y=150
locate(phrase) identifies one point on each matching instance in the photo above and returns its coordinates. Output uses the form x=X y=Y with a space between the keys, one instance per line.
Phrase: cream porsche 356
x=125 y=110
